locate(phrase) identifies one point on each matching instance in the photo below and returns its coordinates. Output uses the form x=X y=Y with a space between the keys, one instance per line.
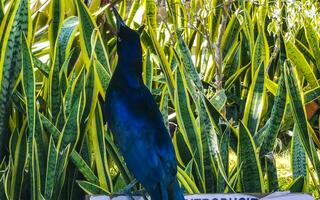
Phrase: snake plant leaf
x=298 y=184
x=299 y=61
x=251 y=173
x=51 y=169
x=10 y=62
x=151 y=13
x=187 y=123
x=29 y=85
x=75 y=157
x=115 y=154
x=271 y=171
x=133 y=10
x=299 y=114
x=210 y=145
x=278 y=108
x=91 y=188
x=70 y=132
x=307 y=53
x=87 y=26
x=148 y=70
x=313 y=41
x=230 y=34
x=189 y=68
x=60 y=55
x=232 y=60
x=165 y=66
x=18 y=147
x=96 y=132
x=187 y=181
x=35 y=172
x=56 y=17
x=298 y=156
x=45 y=69
x=1 y=11
x=255 y=101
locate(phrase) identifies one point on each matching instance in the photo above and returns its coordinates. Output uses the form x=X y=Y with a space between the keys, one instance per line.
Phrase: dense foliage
x=229 y=77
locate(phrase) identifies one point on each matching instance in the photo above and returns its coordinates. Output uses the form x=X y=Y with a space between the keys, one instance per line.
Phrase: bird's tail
x=171 y=192
x=174 y=191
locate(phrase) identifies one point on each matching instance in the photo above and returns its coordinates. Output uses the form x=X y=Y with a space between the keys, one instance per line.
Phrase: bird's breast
x=123 y=121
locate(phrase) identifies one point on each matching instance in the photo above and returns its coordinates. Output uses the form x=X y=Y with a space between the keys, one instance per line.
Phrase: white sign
x=232 y=196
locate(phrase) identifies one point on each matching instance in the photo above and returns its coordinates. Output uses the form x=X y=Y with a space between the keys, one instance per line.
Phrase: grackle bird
x=136 y=123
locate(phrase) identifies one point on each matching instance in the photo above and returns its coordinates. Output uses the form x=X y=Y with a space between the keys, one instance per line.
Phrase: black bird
x=136 y=123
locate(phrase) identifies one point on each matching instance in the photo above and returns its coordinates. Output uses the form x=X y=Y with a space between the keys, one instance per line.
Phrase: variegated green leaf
x=251 y=174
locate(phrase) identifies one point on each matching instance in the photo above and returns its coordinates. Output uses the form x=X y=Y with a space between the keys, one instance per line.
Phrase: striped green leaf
x=35 y=185
x=29 y=86
x=90 y=91
x=10 y=61
x=224 y=156
x=65 y=38
x=278 y=108
x=305 y=51
x=104 y=77
x=75 y=157
x=96 y=134
x=151 y=13
x=45 y=69
x=165 y=66
x=61 y=169
x=116 y=156
x=49 y=127
x=87 y=27
x=133 y=11
x=83 y=167
x=230 y=34
x=148 y=70
x=299 y=61
x=70 y=132
x=299 y=114
x=91 y=188
x=271 y=171
x=51 y=169
x=189 y=68
x=313 y=41
x=232 y=60
x=298 y=184
x=1 y=11
x=18 y=147
x=187 y=182
x=34 y=126
x=255 y=101
x=187 y=123
x=56 y=16
x=251 y=174
x=298 y=156
x=209 y=141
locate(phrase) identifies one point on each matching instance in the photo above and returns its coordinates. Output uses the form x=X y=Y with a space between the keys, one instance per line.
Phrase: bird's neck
x=130 y=72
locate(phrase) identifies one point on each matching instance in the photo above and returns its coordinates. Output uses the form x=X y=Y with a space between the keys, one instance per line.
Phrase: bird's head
x=128 y=41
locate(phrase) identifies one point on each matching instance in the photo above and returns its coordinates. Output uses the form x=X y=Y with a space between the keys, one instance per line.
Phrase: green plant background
x=234 y=80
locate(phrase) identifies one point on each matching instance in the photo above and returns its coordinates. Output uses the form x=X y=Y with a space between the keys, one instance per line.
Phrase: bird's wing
x=164 y=147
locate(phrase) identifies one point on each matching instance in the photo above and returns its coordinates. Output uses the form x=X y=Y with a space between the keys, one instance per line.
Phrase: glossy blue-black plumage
x=136 y=122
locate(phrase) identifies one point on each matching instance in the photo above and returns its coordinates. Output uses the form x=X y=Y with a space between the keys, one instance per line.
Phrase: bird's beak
x=120 y=22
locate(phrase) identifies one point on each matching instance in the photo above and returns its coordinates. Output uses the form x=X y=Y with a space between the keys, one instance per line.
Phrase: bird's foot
x=127 y=190
x=127 y=194
x=143 y=193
